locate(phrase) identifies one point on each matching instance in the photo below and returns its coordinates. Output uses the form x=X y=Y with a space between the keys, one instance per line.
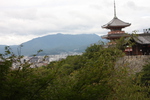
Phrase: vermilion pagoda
x=115 y=25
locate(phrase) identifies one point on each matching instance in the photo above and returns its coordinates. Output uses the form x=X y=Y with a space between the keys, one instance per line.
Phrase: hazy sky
x=22 y=20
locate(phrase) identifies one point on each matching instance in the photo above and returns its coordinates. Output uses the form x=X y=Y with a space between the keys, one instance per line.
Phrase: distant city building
x=38 y=61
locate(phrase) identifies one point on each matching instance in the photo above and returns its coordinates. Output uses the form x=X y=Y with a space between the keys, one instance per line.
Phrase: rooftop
x=115 y=22
x=143 y=39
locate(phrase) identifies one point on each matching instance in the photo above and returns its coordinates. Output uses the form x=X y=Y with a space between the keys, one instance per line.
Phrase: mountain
x=58 y=43
x=2 y=48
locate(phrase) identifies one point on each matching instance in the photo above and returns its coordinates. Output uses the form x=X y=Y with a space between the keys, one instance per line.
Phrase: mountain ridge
x=58 y=43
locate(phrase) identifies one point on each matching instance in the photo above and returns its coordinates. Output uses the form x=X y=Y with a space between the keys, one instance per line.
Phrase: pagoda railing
x=116 y=32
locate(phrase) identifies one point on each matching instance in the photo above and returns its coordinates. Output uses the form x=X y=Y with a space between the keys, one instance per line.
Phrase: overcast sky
x=23 y=20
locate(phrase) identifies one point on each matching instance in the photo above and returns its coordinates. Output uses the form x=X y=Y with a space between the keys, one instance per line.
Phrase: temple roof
x=115 y=22
x=143 y=39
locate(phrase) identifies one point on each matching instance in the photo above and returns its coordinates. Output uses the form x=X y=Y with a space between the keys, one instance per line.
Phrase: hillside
x=95 y=75
x=58 y=43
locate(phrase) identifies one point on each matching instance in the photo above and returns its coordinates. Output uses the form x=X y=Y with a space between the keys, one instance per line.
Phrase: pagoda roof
x=115 y=22
x=115 y=36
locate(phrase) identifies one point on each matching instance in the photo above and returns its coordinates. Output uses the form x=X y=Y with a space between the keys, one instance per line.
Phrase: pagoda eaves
x=115 y=22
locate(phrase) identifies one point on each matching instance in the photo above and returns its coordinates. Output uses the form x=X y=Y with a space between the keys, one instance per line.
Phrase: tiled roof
x=143 y=39
x=115 y=22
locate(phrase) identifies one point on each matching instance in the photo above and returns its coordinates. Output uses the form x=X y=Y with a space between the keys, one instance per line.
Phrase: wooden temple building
x=141 y=41
x=141 y=45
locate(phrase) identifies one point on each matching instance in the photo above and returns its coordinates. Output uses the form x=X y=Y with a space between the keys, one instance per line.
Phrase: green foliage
x=22 y=83
x=90 y=76
x=125 y=42
x=145 y=78
x=121 y=43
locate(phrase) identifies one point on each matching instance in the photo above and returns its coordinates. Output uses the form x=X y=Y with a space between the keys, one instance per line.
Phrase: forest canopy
x=90 y=76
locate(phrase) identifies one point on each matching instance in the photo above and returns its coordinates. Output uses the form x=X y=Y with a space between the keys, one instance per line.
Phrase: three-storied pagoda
x=115 y=25
x=141 y=41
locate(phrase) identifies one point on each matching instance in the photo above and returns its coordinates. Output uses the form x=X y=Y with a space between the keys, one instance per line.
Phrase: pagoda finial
x=115 y=9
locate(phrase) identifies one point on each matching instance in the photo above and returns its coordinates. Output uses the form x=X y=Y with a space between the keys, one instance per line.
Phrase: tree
x=22 y=83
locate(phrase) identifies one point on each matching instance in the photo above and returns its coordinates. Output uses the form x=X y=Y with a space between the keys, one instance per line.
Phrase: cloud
x=22 y=20
x=24 y=14
x=13 y=39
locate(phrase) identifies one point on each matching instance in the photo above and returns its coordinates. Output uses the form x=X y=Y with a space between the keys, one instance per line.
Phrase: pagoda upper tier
x=116 y=23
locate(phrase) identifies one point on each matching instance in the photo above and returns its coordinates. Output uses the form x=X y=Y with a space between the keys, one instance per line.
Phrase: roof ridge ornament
x=115 y=10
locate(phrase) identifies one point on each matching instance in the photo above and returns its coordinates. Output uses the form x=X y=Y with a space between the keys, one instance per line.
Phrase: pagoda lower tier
x=114 y=36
